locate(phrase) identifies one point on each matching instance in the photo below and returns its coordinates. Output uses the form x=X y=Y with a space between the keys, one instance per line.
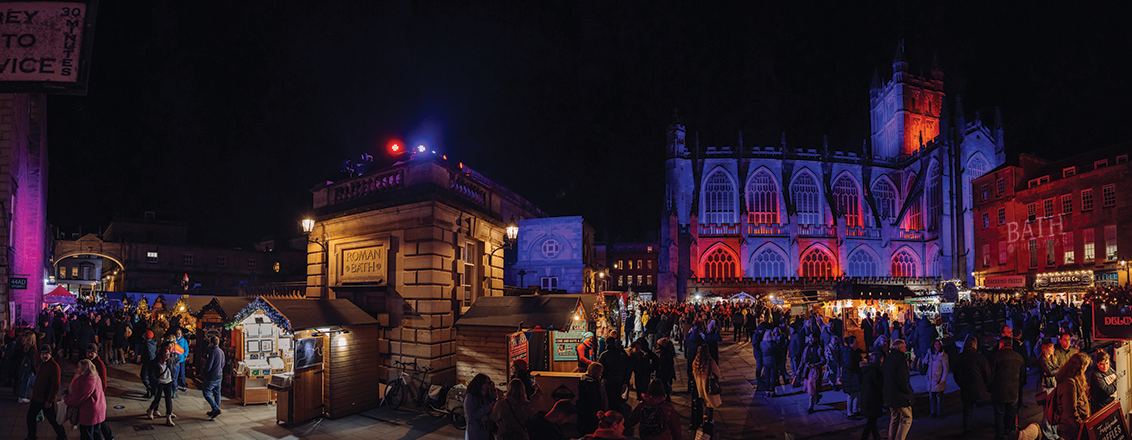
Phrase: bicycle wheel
x=458 y=419
x=394 y=394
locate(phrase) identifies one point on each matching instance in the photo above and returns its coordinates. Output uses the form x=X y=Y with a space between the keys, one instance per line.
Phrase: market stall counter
x=551 y=326
x=314 y=356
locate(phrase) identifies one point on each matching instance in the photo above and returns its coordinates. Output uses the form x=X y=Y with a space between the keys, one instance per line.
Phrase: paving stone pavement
x=745 y=414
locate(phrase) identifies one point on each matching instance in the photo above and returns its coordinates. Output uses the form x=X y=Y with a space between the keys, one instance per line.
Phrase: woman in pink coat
x=86 y=394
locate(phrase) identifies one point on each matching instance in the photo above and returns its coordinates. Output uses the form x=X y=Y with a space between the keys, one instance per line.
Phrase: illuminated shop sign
x=1059 y=280
x=1005 y=281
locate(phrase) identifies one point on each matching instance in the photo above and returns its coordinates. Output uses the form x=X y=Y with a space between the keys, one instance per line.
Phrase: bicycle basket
x=435 y=393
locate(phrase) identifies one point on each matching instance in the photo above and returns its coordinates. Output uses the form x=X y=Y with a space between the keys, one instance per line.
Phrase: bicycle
x=427 y=397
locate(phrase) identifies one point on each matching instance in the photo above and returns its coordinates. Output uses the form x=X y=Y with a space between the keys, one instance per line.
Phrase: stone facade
x=749 y=213
x=414 y=245
x=23 y=196
x=556 y=253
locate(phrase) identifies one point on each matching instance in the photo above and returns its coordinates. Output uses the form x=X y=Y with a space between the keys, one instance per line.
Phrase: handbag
x=61 y=412
x=713 y=387
x=72 y=416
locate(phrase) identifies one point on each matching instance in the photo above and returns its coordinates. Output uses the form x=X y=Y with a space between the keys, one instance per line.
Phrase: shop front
x=855 y=302
x=1064 y=287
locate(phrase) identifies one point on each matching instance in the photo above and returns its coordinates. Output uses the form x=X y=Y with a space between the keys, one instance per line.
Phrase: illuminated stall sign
x=1005 y=281
x=1112 y=321
x=45 y=46
x=1061 y=280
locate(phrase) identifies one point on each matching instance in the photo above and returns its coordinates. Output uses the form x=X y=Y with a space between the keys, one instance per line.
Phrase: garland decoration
x=260 y=304
x=1109 y=294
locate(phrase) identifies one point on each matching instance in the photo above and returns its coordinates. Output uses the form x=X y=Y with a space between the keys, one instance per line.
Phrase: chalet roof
x=226 y=306
x=546 y=311
x=301 y=314
x=193 y=303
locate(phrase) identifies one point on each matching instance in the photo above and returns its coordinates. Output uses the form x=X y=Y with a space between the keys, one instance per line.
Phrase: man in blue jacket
x=184 y=355
x=212 y=374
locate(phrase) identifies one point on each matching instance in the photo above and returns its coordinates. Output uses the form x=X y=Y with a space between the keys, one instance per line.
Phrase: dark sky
x=224 y=114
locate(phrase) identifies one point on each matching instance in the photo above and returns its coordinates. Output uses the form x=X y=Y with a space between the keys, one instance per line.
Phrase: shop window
x=1067 y=204
x=151 y=257
x=1067 y=246
x=1087 y=199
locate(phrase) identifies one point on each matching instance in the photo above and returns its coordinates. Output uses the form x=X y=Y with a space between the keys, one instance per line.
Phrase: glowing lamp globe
x=308 y=225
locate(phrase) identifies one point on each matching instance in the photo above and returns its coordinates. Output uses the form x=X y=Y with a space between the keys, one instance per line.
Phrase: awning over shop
x=546 y=311
x=874 y=291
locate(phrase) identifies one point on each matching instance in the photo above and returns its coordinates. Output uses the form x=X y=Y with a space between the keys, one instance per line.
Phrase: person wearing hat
x=656 y=415
x=587 y=352
x=47 y=381
x=547 y=425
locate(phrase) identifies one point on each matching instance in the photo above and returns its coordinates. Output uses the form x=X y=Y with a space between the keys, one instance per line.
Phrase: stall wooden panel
x=352 y=362
x=308 y=398
x=482 y=350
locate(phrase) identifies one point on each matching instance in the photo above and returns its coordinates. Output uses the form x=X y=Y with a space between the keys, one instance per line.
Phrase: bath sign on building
x=363 y=265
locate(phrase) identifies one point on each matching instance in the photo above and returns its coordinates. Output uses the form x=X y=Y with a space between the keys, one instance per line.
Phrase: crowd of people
x=91 y=337
x=976 y=346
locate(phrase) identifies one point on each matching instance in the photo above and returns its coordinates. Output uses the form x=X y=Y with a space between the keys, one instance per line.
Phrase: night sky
x=224 y=114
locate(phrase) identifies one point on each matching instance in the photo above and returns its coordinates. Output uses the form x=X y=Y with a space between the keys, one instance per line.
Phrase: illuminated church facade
x=765 y=219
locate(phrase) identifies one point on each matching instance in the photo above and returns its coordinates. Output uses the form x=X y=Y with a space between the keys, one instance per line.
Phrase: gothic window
x=768 y=264
x=885 y=196
x=914 y=220
x=848 y=203
x=719 y=264
x=862 y=264
x=935 y=198
x=805 y=192
x=762 y=199
x=817 y=264
x=903 y=264
x=976 y=167
x=719 y=199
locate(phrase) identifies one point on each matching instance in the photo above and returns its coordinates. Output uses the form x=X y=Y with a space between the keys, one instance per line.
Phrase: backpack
x=652 y=420
x=1052 y=412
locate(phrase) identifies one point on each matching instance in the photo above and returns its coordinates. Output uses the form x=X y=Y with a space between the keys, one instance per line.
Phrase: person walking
x=872 y=394
x=1005 y=366
x=851 y=377
x=87 y=393
x=212 y=374
x=163 y=374
x=666 y=363
x=705 y=369
x=643 y=362
x=46 y=386
x=26 y=367
x=148 y=357
x=92 y=351
x=813 y=360
x=1072 y=396
x=766 y=365
x=972 y=373
x=1047 y=370
x=937 y=368
x=478 y=403
x=656 y=415
x=511 y=413
x=617 y=373
x=898 y=394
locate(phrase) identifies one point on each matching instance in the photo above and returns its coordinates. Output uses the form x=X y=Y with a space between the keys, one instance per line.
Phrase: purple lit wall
x=23 y=194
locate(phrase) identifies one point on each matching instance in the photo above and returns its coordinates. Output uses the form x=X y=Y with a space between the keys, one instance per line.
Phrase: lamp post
x=308 y=226
x=511 y=234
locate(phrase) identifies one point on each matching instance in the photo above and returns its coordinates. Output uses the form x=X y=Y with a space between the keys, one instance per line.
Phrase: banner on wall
x=1112 y=321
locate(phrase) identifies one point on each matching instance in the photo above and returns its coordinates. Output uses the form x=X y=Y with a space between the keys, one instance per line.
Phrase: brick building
x=1054 y=227
x=633 y=266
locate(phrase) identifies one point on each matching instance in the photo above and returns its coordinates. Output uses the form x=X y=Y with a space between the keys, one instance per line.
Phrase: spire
x=937 y=71
x=783 y=141
x=997 y=118
x=825 y=145
x=899 y=64
x=876 y=80
x=865 y=151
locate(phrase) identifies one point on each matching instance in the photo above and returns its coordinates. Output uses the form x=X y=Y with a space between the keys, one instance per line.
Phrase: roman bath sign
x=363 y=265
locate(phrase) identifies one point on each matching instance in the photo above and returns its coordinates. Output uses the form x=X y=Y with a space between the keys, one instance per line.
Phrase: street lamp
x=511 y=234
x=308 y=226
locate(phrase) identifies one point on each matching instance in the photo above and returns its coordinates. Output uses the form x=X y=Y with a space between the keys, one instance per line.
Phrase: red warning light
x=395 y=148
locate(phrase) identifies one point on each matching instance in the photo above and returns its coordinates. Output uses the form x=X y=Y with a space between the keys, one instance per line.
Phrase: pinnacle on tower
x=899 y=64
x=937 y=71
x=876 y=80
